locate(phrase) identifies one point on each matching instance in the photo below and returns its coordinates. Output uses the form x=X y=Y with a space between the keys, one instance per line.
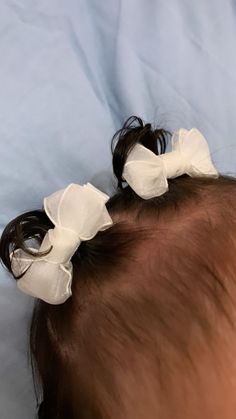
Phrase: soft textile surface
x=71 y=71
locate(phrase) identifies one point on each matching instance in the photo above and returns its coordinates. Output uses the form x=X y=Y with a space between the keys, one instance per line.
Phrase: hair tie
x=147 y=173
x=78 y=213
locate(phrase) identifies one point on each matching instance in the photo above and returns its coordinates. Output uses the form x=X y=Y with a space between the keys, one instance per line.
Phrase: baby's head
x=149 y=331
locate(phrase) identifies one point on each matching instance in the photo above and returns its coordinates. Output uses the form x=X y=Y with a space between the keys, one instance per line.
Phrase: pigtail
x=29 y=225
x=134 y=131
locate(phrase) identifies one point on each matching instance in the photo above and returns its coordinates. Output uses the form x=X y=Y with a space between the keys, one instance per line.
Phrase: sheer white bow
x=78 y=213
x=147 y=173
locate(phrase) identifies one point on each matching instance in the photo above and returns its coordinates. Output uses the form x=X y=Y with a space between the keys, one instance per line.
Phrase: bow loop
x=144 y=172
x=194 y=149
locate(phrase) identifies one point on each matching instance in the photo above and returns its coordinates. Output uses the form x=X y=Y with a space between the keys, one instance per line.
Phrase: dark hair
x=141 y=289
x=134 y=131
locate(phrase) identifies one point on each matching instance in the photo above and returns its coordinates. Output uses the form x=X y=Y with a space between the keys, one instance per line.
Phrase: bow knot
x=64 y=243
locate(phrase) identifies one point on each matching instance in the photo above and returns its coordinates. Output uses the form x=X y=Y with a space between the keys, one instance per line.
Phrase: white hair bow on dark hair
x=78 y=213
x=147 y=173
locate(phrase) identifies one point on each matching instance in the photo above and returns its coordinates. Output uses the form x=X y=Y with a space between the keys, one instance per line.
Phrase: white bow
x=147 y=173
x=78 y=213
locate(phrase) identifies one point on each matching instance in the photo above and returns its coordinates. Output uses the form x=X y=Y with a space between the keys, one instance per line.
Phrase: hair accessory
x=147 y=173
x=78 y=213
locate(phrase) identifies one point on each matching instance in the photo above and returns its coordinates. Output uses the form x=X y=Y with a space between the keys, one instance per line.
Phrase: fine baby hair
x=135 y=293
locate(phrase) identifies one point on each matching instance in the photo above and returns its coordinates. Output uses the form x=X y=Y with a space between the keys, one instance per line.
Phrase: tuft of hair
x=150 y=295
x=134 y=131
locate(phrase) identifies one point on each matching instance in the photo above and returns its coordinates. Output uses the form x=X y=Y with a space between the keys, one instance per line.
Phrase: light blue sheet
x=71 y=71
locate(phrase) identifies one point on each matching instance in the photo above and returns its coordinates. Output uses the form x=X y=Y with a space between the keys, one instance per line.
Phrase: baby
x=135 y=309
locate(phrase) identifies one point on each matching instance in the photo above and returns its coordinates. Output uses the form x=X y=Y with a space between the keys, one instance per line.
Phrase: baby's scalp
x=149 y=328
